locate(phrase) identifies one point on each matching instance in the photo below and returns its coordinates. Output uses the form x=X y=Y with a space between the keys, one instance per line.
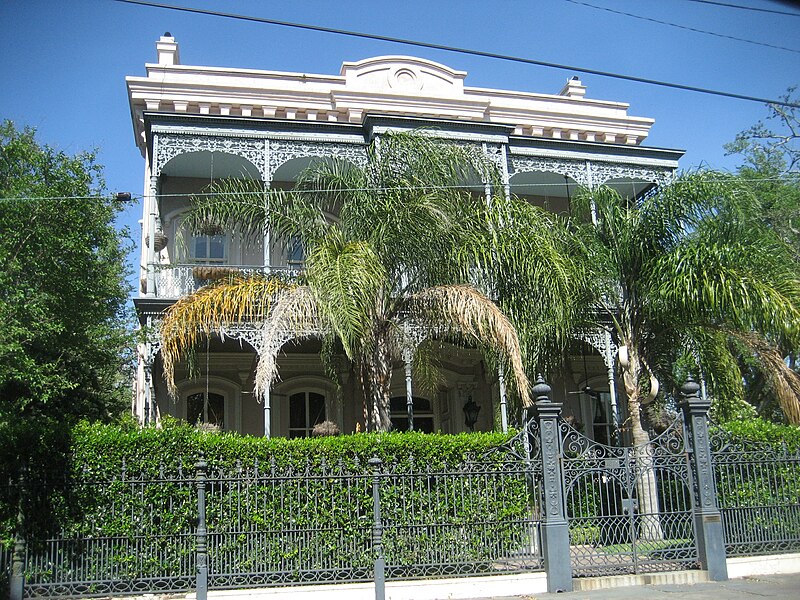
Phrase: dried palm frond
x=295 y=315
x=210 y=309
x=783 y=381
x=462 y=312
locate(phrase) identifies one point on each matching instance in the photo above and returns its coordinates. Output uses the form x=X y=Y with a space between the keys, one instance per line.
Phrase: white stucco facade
x=195 y=124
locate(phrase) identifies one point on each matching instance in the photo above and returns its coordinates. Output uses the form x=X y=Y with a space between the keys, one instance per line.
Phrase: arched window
x=306 y=409
x=203 y=407
x=423 y=414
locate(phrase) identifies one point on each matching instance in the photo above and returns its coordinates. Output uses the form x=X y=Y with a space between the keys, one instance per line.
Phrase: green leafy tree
x=771 y=153
x=63 y=340
x=393 y=267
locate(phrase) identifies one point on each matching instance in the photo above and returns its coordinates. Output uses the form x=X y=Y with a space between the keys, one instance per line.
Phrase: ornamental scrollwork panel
x=575 y=169
x=282 y=151
x=600 y=340
x=605 y=171
x=170 y=145
x=152 y=342
x=246 y=331
x=497 y=155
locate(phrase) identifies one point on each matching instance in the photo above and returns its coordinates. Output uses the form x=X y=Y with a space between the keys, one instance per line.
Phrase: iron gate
x=629 y=509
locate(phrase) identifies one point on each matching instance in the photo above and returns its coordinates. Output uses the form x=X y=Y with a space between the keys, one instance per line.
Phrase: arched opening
x=550 y=191
x=627 y=188
x=306 y=409
x=206 y=408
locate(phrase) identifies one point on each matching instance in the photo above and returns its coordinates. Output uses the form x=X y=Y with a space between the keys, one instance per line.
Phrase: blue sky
x=64 y=63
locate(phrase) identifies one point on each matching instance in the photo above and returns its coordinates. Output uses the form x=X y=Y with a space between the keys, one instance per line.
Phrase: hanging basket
x=210 y=228
x=206 y=273
x=159 y=241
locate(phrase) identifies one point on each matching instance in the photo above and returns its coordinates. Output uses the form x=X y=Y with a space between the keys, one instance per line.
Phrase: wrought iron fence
x=290 y=525
x=285 y=526
x=758 y=488
x=608 y=510
x=134 y=535
x=480 y=518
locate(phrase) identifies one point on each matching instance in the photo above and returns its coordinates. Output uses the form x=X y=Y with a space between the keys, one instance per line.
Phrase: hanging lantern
x=471 y=411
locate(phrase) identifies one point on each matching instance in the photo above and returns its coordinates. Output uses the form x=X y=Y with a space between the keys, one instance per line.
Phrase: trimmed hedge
x=767 y=432
x=104 y=448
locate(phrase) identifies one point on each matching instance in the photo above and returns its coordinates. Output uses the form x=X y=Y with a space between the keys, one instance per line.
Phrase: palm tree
x=686 y=272
x=390 y=268
x=691 y=266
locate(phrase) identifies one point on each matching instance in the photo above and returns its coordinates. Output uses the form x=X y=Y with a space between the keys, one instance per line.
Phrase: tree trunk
x=379 y=379
x=646 y=486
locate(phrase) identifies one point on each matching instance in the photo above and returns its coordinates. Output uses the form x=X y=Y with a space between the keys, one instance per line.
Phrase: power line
x=476 y=186
x=117 y=196
x=527 y=61
x=678 y=26
x=751 y=8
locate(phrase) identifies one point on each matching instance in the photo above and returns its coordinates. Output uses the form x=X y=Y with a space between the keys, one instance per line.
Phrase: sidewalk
x=749 y=588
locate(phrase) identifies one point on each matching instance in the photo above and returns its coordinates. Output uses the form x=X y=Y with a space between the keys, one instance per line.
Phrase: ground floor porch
x=215 y=389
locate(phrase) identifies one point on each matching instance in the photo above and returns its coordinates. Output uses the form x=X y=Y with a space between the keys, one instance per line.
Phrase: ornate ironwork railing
x=177 y=280
x=630 y=509
x=758 y=487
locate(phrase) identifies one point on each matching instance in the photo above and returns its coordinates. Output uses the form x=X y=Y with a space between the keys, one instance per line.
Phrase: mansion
x=197 y=124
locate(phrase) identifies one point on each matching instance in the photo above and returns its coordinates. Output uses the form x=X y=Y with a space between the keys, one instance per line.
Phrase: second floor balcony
x=174 y=280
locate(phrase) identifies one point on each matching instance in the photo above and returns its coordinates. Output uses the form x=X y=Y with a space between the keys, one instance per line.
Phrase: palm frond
x=537 y=267
x=733 y=283
x=209 y=310
x=784 y=382
x=719 y=367
x=348 y=281
x=247 y=210
x=462 y=312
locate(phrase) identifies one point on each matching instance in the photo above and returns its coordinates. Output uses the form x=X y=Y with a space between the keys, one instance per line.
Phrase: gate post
x=555 y=530
x=707 y=518
x=16 y=583
x=17 y=579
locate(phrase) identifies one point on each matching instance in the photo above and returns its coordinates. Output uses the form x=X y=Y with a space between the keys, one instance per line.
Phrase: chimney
x=168 y=50
x=573 y=88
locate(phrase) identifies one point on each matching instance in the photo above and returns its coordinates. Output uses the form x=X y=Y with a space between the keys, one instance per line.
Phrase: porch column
x=590 y=185
x=267 y=234
x=149 y=392
x=612 y=381
x=151 y=234
x=501 y=383
x=267 y=413
x=409 y=390
x=707 y=517
x=555 y=529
